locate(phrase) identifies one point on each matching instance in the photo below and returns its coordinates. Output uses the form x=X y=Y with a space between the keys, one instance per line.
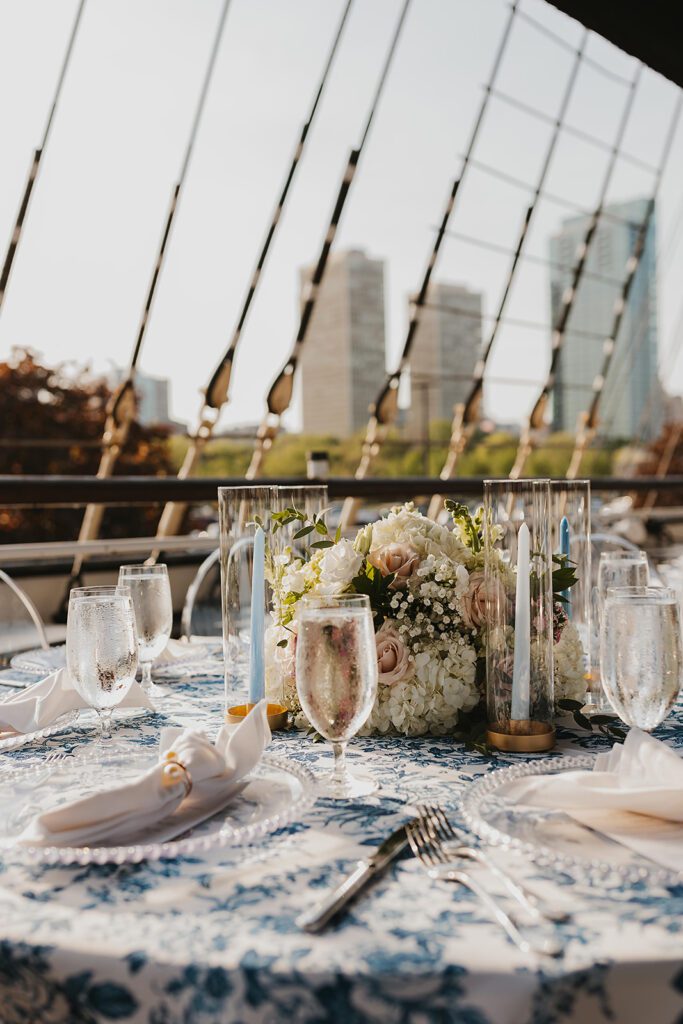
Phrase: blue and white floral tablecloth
x=213 y=939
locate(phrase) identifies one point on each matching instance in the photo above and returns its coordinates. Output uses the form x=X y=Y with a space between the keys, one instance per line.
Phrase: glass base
x=349 y=786
x=597 y=704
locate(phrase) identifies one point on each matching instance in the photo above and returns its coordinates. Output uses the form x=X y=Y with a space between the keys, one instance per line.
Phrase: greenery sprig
x=315 y=525
x=606 y=724
x=564 y=577
x=471 y=526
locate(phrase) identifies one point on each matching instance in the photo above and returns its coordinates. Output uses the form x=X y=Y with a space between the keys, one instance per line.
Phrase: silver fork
x=443 y=832
x=431 y=859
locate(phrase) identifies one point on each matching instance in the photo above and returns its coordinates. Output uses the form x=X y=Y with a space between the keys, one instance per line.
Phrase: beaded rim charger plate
x=277 y=791
x=551 y=838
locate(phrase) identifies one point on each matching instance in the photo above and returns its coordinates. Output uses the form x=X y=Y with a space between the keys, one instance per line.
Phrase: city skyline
x=79 y=281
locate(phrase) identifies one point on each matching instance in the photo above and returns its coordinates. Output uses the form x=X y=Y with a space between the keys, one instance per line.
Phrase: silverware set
x=443 y=850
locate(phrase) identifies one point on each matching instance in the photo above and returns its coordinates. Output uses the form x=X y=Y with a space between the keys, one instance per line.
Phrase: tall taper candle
x=564 y=550
x=257 y=677
x=521 y=672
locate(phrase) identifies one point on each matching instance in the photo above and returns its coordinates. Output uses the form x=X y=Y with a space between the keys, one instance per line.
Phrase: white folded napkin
x=42 y=703
x=634 y=795
x=178 y=650
x=168 y=799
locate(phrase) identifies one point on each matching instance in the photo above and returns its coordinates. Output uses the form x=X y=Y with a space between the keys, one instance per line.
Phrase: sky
x=119 y=137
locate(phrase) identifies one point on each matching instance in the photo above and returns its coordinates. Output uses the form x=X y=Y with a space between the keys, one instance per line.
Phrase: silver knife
x=315 y=919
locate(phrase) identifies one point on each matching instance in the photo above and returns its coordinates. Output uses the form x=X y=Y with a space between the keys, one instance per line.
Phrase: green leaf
x=604 y=719
x=338 y=534
x=321 y=527
x=303 y=532
x=584 y=722
x=283 y=643
x=570 y=705
x=323 y=544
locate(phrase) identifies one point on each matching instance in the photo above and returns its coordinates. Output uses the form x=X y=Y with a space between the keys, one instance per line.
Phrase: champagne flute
x=150 y=591
x=336 y=673
x=101 y=653
x=641 y=655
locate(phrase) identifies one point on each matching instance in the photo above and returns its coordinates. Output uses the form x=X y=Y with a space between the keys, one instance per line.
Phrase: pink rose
x=401 y=559
x=473 y=609
x=392 y=656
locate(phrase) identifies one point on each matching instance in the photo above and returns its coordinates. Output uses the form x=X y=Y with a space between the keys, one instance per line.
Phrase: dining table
x=213 y=936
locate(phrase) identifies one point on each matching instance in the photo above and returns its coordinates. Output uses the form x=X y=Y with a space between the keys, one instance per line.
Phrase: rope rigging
x=536 y=418
x=35 y=163
x=280 y=393
x=122 y=406
x=217 y=390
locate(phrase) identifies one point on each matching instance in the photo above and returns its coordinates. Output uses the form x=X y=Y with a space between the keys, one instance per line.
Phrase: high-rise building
x=342 y=363
x=152 y=395
x=631 y=403
x=444 y=354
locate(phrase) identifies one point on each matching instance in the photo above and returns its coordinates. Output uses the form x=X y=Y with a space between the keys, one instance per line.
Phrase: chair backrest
x=202 y=610
x=21 y=626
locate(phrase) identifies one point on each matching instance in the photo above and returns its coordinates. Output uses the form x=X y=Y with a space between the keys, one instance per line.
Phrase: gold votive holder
x=278 y=716
x=521 y=736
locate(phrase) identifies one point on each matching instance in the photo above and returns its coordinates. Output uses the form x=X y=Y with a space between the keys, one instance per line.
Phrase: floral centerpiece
x=426 y=587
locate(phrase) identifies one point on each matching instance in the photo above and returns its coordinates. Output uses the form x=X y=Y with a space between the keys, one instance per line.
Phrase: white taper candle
x=521 y=671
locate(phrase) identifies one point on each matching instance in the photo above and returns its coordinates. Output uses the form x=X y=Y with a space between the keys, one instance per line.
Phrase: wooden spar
x=35 y=163
x=384 y=409
x=216 y=394
x=122 y=406
x=467 y=413
x=280 y=394
x=536 y=419
x=588 y=420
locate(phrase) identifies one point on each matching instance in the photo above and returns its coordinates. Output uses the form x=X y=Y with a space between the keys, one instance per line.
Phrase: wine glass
x=641 y=656
x=150 y=591
x=615 y=569
x=336 y=672
x=101 y=653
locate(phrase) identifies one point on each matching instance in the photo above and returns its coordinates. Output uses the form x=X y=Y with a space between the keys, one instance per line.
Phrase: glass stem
x=105 y=725
x=146 y=676
x=339 y=773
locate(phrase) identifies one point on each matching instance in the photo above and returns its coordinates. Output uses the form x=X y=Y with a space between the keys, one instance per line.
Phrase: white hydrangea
x=337 y=567
x=569 y=658
x=407 y=525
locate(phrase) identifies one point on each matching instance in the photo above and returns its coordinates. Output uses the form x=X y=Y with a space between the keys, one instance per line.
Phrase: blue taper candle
x=257 y=677
x=564 y=550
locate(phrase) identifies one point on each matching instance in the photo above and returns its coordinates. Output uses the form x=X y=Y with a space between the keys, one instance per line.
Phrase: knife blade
x=315 y=919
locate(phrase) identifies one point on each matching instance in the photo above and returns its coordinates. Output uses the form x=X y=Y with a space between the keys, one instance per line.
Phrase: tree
x=52 y=420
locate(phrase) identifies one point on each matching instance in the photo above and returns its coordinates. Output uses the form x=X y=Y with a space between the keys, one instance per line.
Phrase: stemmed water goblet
x=615 y=569
x=101 y=655
x=150 y=592
x=336 y=672
x=641 y=655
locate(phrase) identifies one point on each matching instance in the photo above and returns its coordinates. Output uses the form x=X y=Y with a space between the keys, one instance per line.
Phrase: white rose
x=338 y=566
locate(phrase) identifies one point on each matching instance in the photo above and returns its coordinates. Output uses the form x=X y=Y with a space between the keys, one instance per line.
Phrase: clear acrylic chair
x=202 y=610
x=21 y=626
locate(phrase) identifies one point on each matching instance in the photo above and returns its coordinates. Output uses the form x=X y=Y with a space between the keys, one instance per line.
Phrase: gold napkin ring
x=175 y=771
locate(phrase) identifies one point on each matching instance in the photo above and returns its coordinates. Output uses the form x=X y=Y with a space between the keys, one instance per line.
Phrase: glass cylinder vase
x=570 y=526
x=240 y=510
x=519 y=614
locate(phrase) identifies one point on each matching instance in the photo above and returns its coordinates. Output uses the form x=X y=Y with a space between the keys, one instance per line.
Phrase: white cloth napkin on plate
x=158 y=806
x=178 y=650
x=634 y=795
x=42 y=703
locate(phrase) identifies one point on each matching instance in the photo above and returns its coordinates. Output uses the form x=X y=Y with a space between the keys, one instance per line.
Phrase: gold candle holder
x=521 y=736
x=278 y=716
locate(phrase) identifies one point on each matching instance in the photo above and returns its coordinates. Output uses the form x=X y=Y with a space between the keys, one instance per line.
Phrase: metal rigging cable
x=35 y=163
x=588 y=420
x=216 y=394
x=280 y=394
x=467 y=414
x=536 y=418
x=384 y=409
x=122 y=405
